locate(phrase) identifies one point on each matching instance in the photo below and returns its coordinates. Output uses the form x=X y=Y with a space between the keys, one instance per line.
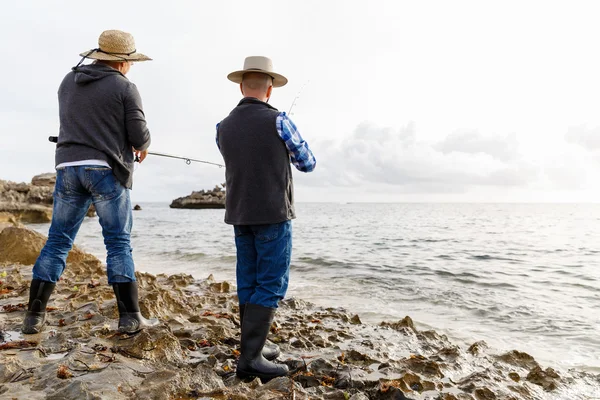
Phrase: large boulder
x=30 y=203
x=202 y=199
x=23 y=246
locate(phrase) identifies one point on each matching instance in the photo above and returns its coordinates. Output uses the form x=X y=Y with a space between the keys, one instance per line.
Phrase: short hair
x=256 y=81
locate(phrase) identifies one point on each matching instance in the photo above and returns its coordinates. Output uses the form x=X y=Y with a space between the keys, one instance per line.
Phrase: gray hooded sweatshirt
x=101 y=118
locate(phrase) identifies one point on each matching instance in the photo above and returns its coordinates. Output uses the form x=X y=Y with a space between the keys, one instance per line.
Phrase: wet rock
x=308 y=381
x=405 y=325
x=448 y=354
x=76 y=390
x=356 y=357
x=181 y=280
x=162 y=384
x=153 y=344
x=477 y=347
x=519 y=359
x=514 y=376
x=220 y=287
x=415 y=383
x=321 y=367
x=423 y=366
x=390 y=393
x=281 y=384
x=470 y=382
x=294 y=304
x=459 y=396
x=484 y=394
x=202 y=199
x=137 y=207
x=355 y=320
x=358 y=396
x=548 y=379
x=384 y=365
x=335 y=395
x=9 y=370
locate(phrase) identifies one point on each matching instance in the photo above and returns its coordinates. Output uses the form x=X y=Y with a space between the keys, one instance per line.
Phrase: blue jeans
x=76 y=188
x=263 y=262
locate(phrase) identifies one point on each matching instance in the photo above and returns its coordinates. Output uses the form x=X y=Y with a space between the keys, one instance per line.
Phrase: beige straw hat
x=115 y=45
x=258 y=64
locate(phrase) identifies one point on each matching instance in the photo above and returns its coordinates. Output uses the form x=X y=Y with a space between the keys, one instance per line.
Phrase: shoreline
x=192 y=354
x=203 y=266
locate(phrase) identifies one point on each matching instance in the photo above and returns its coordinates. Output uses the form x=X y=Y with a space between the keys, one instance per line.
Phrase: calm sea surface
x=523 y=277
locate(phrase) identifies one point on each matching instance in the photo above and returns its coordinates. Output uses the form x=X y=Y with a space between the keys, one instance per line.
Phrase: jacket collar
x=253 y=100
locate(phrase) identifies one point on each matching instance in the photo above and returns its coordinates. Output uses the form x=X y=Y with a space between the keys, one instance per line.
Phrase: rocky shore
x=28 y=202
x=192 y=354
x=203 y=199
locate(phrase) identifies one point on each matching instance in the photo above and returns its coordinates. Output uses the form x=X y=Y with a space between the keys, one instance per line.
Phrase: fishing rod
x=297 y=97
x=188 y=161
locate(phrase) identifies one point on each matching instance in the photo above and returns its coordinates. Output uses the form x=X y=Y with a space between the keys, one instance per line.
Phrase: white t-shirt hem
x=95 y=163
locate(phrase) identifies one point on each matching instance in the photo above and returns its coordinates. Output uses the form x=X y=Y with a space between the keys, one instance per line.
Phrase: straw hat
x=258 y=64
x=115 y=45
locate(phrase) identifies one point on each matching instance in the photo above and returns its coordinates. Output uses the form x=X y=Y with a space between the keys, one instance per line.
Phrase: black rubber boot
x=130 y=318
x=255 y=328
x=35 y=317
x=270 y=350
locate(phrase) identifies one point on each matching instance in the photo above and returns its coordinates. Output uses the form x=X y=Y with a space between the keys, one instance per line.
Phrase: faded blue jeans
x=76 y=188
x=263 y=262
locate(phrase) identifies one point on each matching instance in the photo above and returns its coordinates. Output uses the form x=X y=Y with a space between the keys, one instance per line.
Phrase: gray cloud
x=588 y=138
x=372 y=155
x=471 y=142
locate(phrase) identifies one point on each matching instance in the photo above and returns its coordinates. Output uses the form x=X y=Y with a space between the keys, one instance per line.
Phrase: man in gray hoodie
x=102 y=127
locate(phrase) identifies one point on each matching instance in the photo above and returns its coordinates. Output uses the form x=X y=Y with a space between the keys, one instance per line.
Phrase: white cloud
x=396 y=157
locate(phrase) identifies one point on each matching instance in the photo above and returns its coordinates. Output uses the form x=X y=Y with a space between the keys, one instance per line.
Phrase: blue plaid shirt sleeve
x=300 y=154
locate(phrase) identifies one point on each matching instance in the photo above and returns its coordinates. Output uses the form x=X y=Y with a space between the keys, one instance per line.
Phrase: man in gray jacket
x=102 y=126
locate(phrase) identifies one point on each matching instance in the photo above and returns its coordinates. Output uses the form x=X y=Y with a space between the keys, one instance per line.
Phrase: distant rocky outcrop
x=203 y=199
x=28 y=202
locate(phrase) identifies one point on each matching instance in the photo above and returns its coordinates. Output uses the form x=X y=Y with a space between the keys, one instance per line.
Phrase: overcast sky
x=402 y=100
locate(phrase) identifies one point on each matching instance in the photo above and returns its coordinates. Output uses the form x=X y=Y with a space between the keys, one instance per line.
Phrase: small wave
x=487 y=257
x=320 y=261
x=442 y=272
x=192 y=256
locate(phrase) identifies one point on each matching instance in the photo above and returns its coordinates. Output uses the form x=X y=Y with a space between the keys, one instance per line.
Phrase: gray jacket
x=101 y=118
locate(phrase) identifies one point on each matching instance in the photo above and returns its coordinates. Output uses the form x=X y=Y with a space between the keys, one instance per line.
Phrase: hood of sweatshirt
x=93 y=72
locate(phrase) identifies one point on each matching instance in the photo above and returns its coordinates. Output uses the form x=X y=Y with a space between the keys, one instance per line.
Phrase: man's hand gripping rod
x=188 y=161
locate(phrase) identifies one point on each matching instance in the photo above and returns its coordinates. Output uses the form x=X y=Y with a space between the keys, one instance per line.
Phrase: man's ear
x=241 y=89
x=269 y=90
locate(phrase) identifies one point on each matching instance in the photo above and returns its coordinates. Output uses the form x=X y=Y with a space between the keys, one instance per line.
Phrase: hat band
x=99 y=50
x=115 y=54
x=262 y=71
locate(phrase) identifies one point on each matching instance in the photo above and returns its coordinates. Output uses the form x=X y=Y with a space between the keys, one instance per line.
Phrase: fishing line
x=187 y=160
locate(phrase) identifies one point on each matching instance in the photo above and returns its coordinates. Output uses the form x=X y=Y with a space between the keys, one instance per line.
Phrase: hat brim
x=278 y=80
x=98 y=55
